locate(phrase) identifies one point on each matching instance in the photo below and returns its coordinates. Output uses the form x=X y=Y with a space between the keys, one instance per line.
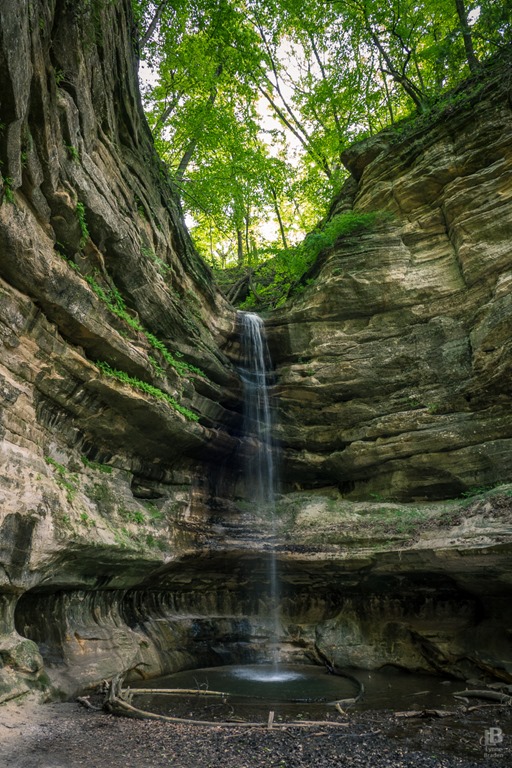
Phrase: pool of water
x=263 y=681
x=292 y=691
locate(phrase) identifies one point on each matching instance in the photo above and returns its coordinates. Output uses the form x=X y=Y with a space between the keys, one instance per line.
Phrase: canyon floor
x=65 y=735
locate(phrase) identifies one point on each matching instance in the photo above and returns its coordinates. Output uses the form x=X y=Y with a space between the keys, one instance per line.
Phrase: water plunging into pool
x=260 y=470
x=286 y=688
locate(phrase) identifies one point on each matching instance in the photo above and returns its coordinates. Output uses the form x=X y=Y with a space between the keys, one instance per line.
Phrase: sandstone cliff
x=124 y=544
x=95 y=265
x=394 y=367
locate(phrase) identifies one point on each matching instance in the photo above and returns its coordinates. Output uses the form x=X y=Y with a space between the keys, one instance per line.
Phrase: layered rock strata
x=394 y=365
x=96 y=267
x=124 y=544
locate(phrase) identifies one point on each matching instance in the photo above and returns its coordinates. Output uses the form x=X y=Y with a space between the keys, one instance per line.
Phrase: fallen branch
x=501 y=698
x=344 y=702
x=333 y=670
x=171 y=692
x=425 y=713
x=117 y=706
x=84 y=702
x=476 y=707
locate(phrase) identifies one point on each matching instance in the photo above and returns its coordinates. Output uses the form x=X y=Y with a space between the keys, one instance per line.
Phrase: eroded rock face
x=124 y=545
x=96 y=265
x=394 y=366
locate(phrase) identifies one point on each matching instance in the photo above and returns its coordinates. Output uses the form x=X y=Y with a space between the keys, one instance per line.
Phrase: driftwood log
x=497 y=696
x=423 y=713
x=117 y=706
x=115 y=703
x=319 y=657
x=174 y=692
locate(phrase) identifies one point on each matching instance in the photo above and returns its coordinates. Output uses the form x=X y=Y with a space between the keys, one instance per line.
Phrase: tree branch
x=146 y=37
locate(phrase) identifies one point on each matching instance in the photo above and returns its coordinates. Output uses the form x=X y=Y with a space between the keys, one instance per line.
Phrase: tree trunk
x=240 y=247
x=279 y=218
x=407 y=84
x=194 y=140
x=471 y=58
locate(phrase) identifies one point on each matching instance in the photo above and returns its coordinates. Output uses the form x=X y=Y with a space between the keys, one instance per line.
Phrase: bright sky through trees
x=252 y=103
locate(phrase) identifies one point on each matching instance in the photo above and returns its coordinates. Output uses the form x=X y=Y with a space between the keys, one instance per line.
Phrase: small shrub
x=132 y=516
x=96 y=465
x=80 y=212
x=8 y=189
x=72 y=152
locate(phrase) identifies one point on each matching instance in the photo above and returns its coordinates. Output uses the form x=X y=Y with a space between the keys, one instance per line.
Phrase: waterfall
x=260 y=471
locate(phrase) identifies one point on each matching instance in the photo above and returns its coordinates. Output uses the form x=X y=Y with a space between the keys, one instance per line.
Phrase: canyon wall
x=394 y=365
x=125 y=542
x=118 y=405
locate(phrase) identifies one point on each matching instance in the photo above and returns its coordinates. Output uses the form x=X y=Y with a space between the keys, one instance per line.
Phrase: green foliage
x=156 y=366
x=60 y=469
x=100 y=492
x=153 y=511
x=252 y=106
x=95 y=465
x=72 y=152
x=133 y=516
x=476 y=491
x=139 y=205
x=80 y=212
x=86 y=520
x=65 y=479
x=182 y=368
x=115 y=302
x=113 y=299
x=283 y=275
x=148 y=389
x=405 y=521
x=150 y=254
x=8 y=188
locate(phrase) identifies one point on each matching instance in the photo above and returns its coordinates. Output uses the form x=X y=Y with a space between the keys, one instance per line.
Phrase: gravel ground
x=65 y=735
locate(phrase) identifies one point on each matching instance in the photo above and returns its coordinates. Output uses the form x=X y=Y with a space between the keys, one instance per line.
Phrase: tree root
x=319 y=657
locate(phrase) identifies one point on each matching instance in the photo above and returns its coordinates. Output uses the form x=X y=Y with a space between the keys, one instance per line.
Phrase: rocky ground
x=66 y=735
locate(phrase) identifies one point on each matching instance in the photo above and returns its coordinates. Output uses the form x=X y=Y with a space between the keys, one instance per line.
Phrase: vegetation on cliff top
x=285 y=272
x=252 y=104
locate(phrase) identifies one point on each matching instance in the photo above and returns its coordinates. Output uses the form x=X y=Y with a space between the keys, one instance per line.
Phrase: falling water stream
x=260 y=469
